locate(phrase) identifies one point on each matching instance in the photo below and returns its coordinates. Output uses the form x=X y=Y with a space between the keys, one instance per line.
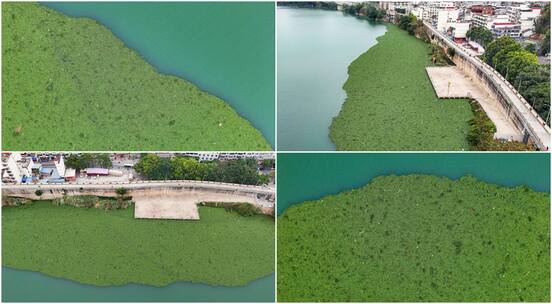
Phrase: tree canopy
x=480 y=34
x=364 y=9
x=521 y=68
x=88 y=160
x=240 y=171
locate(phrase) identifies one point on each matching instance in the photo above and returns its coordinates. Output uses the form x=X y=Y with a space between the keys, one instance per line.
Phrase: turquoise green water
x=309 y=176
x=227 y=49
x=315 y=47
x=29 y=286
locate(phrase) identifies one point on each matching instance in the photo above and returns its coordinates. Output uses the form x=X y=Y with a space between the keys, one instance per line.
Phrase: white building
x=482 y=20
x=11 y=173
x=60 y=166
x=459 y=29
x=445 y=17
x=500 y=29
x=15 y=167
x=204 y=156
x=499 y=25
x=210 y=156
x=239 y=155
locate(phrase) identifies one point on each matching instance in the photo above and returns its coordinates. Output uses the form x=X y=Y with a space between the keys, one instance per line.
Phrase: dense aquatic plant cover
x=70 y=84
x=391 y=104
x=102 y=248
x=417 y=238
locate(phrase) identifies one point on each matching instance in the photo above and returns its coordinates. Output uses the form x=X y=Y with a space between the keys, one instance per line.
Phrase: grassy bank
x=70 y=84
x=391 y=104
x=417 y=238
x=102 y=248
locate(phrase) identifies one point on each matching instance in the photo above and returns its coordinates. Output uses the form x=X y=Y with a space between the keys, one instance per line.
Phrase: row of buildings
x=210 y=156
x=51 y=168
x=28 y=168
x=515 y=19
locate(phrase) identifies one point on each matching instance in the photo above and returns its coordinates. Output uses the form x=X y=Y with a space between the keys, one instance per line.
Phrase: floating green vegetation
x=102 y=248
x=391 y=104
x=70 y=84
x=417 y=238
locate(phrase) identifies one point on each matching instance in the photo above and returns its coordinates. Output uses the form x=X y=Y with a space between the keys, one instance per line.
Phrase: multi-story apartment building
x=210 y=156
x=204 y=156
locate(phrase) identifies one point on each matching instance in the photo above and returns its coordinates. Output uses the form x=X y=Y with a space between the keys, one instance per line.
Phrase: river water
x=315 y=48
x=227 y=49
x=30 y=286
x=310 y=176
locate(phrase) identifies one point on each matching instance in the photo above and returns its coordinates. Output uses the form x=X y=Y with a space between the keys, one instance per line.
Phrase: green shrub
x=245 y=209
x=91 y=201
x=10 y=201
x=121 y=191
x=451 y=52
x=481 y=134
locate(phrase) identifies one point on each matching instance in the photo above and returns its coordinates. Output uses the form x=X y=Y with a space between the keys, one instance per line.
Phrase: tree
x=538 y=96
x=404 y=21
x=530 y=47
x=533 y=83
x=76 y=162
x=542 y=24
x=240 y=171
x=516 y=61
x=187 y=168
x=498 y=45
x=545 y=44
x=531 y=75
x=87 y=160
x=480 y=34
x=148 y=165
x=353 y=9
x=499 y=60
x=102 y=160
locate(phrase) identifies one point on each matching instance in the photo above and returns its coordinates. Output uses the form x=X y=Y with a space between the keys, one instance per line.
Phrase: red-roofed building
x=97 y=171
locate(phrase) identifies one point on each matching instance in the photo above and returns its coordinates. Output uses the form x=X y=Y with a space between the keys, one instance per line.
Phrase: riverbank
x=417 y=238
x=100 y=248
x=391 y=104
x=89 y=84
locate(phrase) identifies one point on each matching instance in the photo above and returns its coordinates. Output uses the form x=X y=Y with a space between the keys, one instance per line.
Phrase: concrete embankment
x=157 y=200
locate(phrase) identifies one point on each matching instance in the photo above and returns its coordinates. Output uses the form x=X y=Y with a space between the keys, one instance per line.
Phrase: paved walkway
x=451 y=82
x=160 y=199
x=145 y=185
x=532 y=120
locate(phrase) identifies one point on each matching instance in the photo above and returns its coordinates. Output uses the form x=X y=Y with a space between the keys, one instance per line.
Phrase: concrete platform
x=165 y=207
x=450 y=82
